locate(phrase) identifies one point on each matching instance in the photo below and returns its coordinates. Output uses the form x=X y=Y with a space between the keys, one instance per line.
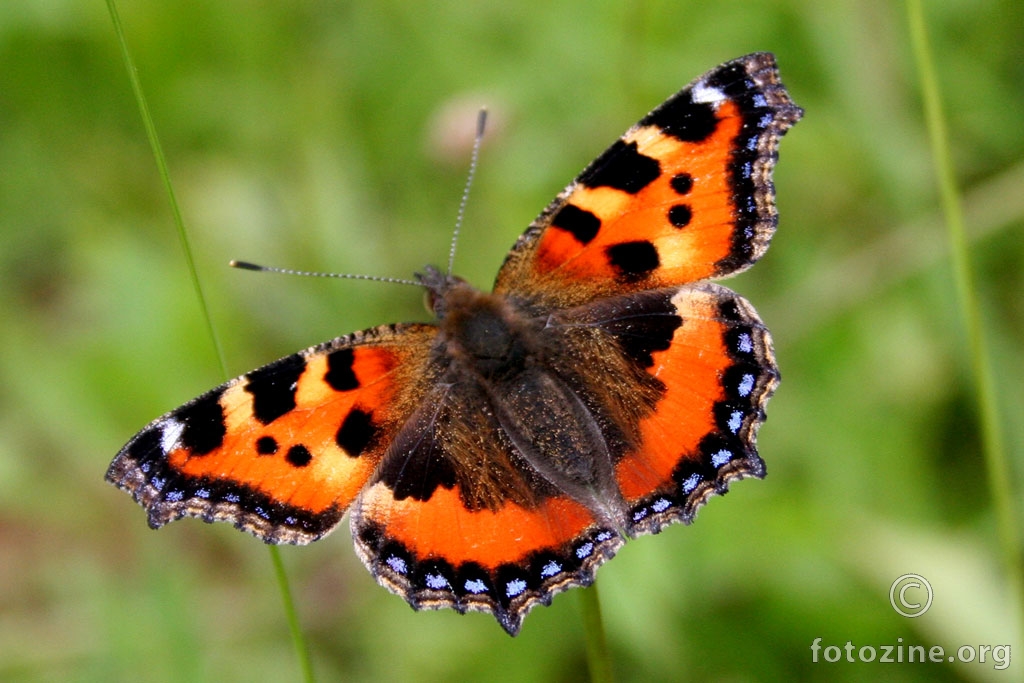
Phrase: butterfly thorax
x=486 y=332
x=501 y=351
x=489 y=333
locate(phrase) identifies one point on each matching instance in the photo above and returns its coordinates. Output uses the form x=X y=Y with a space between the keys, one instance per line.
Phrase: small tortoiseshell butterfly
x=500 y=454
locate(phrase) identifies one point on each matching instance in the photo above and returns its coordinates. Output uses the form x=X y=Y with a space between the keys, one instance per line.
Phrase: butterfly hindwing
x=714 y=368
x=464 y=513
x=438 y=553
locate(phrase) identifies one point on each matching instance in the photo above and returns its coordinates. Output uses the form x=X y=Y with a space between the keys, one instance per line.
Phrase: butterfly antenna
x=481 y=123
x=245 y=265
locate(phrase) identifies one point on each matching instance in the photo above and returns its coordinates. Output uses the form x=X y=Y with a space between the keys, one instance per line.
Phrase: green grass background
x=332 y=136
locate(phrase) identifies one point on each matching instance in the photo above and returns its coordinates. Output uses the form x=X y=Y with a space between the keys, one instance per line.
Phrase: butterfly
x=500 y=454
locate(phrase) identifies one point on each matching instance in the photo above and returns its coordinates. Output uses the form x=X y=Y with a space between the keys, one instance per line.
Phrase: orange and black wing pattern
x=282 y=451
x=684 y=195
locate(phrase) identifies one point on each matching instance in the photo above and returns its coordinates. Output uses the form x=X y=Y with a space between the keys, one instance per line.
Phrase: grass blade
x=298 y=639
x=996 y=459
x=599 y=661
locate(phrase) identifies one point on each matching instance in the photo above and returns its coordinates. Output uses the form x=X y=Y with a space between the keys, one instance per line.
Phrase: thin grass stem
x=996 y=460
x=298 y=639
x=599 y=661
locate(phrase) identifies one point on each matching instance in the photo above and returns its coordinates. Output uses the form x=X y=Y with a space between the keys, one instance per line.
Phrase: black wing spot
x=418 y=473
x=340 y=375
x=204 y=424
x=273 y=388
x=266 y=445
x=146 y=448
x=684 y=119
x=680 y=215
x=622 y=167
x=633 y=260
x=298 y=456
x=356 y=432
x=580 y=223
x=641 y=336
x=682 y=183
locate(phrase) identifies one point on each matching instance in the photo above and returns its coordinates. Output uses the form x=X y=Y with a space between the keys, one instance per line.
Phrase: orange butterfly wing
x=684 y=195
x=711 y=360
x=281 y=451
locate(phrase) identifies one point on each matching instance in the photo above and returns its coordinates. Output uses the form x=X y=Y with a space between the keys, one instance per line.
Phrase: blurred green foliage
x=332 y=136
